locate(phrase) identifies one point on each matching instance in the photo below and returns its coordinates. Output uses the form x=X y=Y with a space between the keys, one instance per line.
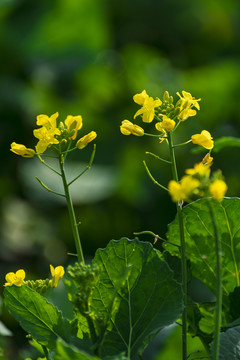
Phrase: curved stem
x=216 y=340
x=71 y=212
x=152 y=178
x=88 y=166
x=158 y=157
x=182 y=250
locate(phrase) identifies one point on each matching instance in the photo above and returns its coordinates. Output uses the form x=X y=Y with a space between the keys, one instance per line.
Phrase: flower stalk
x=71 y=212
x=182 y=250
x=216 y=339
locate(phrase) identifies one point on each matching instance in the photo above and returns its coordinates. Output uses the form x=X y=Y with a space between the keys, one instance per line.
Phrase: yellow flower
x=128 y=128
x=147 y=110
x=204 y=139
x=74 y=123
x=22 y=150
x=189 y=185
x=15 y=278
x=207 y=160
x=200 y=170
x=83 y=141
x=186 y=113
x=46 y=137
x=140 y=98
x=187 y=100
x=175 y=191
x=218 y=189
x=49 y=123
x=57 y=274
x=184 y=190
x=166 y=124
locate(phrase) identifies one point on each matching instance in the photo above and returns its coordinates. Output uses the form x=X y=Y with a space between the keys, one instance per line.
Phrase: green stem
x=216 y=340
x=45 y=350
x=88 y=166
x=152 y=178
x=156 y=237
x=158 y=157
x=185 y=143
x=93 y=334
x=182 y=250
x=47 y=188
x=154 y=135
x=48 y=166
x=71 y=212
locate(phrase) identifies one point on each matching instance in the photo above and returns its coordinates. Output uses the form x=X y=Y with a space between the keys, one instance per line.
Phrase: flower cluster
x=52 y=133
x=167 y=116
x=197 y=182
x=18 y=279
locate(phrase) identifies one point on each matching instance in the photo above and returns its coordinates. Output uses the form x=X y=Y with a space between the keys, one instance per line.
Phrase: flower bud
x=22 y=150
x=83 y=141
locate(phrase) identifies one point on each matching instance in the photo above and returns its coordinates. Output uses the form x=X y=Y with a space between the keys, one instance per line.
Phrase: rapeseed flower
x=199 y=170
x=140 y=98
x=50 y=123
x=15 y=278
x=74 y=123
x=57 y=274
x=128 y=128
x=22 y=150
x=204 y=139
x=184 y=190
x=218 y=189
x=148 y=106
x=46 y=138
x=166 y=124
x=188 y=101
x=83 y=141
x=207 y=160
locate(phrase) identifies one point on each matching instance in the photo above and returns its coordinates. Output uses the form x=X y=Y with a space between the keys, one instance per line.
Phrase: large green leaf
x=136 y=294
x=200 y=241
x=230 y=344
x=37 y=316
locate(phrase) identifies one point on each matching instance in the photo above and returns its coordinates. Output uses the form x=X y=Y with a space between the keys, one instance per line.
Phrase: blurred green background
x=89 y=57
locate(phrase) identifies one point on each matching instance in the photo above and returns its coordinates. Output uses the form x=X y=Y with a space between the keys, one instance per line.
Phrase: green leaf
x=37 y=316
x=136 y=294
x=200 y=241
x=230 y=344
x=69 y=352
x=224 y=142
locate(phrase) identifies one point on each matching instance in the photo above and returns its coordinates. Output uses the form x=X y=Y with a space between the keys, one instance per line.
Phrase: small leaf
x=65 y=351
x=224 y=142
x=36 y=315
x=136 y=294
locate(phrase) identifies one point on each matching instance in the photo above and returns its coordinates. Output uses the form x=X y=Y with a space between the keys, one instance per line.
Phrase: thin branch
x=88 y=166
x=48 y=189
x=48 y=166
x=158 y=157
x=152 y=178
x=156 y=237
x=185 y=143
x=158 y=136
